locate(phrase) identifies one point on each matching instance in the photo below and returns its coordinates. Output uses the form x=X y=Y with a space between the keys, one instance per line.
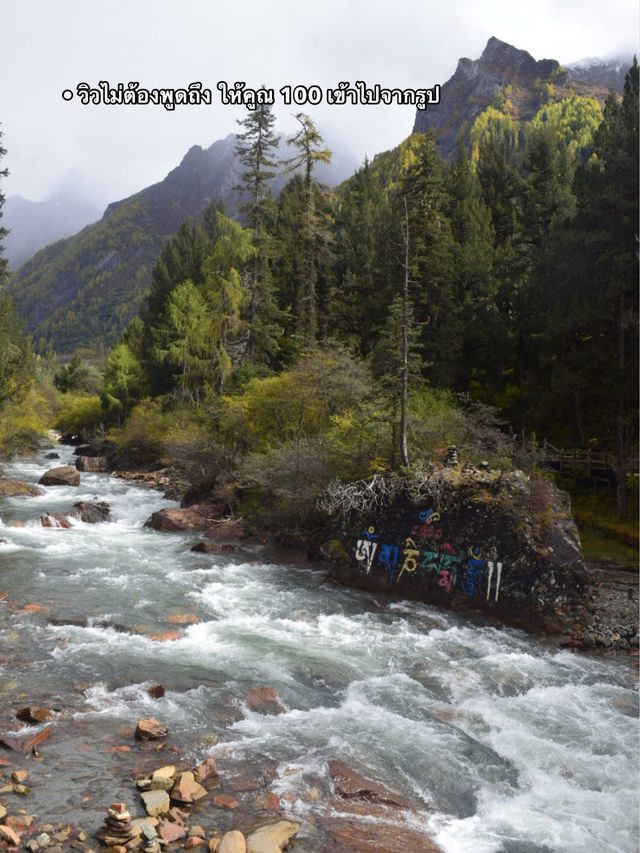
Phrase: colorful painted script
x=424 y=551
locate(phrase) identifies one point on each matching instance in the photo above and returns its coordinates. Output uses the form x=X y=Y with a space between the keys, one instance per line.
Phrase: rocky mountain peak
x=476 y=83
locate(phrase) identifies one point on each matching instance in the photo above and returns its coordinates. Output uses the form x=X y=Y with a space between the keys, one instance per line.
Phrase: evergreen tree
x=226 y=295
x=256 y=149
x=363 y=290
x=308 y=141
x=430 y=259
x=591 y=276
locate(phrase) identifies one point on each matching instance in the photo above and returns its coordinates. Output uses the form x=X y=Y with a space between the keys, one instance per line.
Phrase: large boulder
x=54 y=519
x=66 y=475
x=16 y=488
x=93 y=464
x=225 y=530
x=177 y=520
x=349 y=783
x=90 y=512
x=500 y=542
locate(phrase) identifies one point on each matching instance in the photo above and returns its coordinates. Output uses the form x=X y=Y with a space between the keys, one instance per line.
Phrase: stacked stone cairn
x=451 y=459
x=118 y=830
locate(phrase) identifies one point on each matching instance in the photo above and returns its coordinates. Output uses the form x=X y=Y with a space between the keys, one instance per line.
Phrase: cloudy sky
x=112 y=151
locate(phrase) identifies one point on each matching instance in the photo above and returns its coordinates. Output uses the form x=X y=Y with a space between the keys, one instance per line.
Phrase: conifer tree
x=256 y=149
x=308 y=141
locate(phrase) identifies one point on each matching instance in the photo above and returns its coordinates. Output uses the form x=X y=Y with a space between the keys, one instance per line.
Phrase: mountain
x=83 y=291
x=34 y=224
x=476 y=84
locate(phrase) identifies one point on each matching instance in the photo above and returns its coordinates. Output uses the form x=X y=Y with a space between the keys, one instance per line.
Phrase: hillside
x=81 y=292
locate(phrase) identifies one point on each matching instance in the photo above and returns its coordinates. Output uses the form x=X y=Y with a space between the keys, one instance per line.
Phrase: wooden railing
x=590 y=462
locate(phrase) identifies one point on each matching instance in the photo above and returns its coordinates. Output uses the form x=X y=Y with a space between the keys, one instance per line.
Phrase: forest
x=338 y=333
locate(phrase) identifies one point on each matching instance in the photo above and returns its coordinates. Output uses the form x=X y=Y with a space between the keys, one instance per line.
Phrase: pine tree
x=430 y=259
x=256 y=151
x=591 y=278
x=308 y=141
x=363 y=289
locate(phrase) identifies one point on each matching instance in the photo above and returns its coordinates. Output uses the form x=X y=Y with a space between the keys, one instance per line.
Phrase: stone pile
x=118 y=830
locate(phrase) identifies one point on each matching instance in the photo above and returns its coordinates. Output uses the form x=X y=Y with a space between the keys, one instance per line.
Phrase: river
x=503 y=745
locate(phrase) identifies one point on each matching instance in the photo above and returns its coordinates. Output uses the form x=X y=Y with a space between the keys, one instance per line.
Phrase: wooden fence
x=590 y=462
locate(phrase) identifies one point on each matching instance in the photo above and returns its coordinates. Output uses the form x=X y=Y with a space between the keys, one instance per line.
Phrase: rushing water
x=506 y=746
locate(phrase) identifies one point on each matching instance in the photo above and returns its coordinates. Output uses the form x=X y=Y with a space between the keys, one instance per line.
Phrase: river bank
x=427 y=706
x=604 y=622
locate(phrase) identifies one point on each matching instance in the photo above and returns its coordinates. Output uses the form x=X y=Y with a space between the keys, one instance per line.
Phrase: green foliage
x=123 y=381
x=80 y=416
x=78 y=375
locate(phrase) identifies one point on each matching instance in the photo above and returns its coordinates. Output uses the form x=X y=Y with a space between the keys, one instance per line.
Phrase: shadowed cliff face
x=476 y=84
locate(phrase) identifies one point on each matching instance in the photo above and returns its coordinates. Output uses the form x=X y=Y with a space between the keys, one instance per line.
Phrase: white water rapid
x=504 y=745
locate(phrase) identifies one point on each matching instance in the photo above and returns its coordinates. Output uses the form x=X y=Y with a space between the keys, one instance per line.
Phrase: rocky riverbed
x=279 y=734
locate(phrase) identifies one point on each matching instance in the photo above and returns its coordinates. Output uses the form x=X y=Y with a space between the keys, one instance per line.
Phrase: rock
x=25 y=744
x=268 y=802
x=165 y=772
x=166 y=635
x=177 y=520
x=52 y=455
x=156 y=803
x=150 y=729
x=16 y=488
x=54 y=519
x=264 y=700
x=182 y=619
x=348 y=783
x=19 y=776
x=232 y=842
x=272 y=838
x=206 y=548
x=91 y=513
x=206 y=771
x=227 y=530
x=34 y=714
x=93 y=464
x=194 y=841
x=63 y=476
x=224 y=801
x=3 y=812
x=156 y=692
x=7 y=834
x=187 y=790
x=373 y=836
x=169 y=832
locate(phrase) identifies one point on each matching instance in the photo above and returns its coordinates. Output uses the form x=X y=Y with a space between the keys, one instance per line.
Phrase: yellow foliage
x=80 y=415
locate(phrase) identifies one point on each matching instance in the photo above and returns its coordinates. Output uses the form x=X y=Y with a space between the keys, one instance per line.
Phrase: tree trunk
x=404 y=403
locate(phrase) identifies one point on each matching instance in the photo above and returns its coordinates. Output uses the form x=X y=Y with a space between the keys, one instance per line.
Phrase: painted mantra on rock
x=449 y=566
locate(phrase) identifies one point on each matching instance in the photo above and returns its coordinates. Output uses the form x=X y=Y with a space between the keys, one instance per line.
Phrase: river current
x=506 y=746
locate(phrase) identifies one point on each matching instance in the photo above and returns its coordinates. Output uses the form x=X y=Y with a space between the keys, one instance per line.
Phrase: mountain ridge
x=476 y=84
